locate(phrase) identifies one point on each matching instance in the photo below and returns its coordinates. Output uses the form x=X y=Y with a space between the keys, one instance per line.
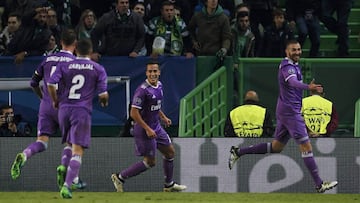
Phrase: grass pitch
x=161 y=197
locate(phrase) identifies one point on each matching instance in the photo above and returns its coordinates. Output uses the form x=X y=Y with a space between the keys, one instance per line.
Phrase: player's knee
x=169 y=155
x=149 y=163
x=44 y=144
x=276 y=146
x=275 y=150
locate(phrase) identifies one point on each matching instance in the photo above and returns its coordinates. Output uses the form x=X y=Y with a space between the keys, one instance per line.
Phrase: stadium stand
x=328 y=44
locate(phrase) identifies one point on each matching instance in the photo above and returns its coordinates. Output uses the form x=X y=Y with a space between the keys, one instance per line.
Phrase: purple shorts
x=48 y=122
x=145 y=146
x=291 y=126
x=75 y=125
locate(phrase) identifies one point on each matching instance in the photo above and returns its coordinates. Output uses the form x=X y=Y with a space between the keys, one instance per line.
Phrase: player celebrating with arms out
x=290 y=123
x=148 y=132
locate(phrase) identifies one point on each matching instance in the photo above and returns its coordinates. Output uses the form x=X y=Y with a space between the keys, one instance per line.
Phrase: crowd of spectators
x=134 y=28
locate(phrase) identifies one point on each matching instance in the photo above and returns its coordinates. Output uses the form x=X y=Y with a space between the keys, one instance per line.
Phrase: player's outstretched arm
x=315 y=87
x=293 y=82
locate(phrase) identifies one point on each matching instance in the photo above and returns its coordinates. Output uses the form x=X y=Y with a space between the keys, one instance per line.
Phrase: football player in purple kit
x=81 y=79
x=148 y=133
x=48 y=116
x=290 y=123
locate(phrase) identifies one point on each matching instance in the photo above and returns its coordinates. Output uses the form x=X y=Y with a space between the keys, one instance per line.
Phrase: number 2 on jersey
x=78 y=82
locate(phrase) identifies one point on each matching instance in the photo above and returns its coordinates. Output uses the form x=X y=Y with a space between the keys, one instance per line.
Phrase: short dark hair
x=84 y=47
x=166 y=3
x=240 y=5
x=68 y=36
x=153 y=61
x=15 y=14
x=291 y=41
x=4 y=106
x=242 y=14
x=278 y=12
x=315 y=92
x=137 y=3
x=52 y=9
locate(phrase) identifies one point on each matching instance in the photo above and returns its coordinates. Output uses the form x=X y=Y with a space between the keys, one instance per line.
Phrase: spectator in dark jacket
x=32 y=38
x=52 y=23
x=16 y=6
x=276 y=35
x=121 y=32
x=338 y=25
x=211 y=19
x=14 y=22
x=305 y=15
x=260 y=15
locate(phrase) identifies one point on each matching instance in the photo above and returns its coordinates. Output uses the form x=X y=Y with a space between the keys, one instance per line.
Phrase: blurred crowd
x=238 y=28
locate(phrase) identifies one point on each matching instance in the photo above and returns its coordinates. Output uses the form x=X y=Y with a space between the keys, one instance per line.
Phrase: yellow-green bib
x=317 y=113
x=248 y=120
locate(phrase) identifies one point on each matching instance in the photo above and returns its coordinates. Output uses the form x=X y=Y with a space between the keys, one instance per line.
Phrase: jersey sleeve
x=102 y=81
x=293 y=82
x=139 y=98
x=57 y=75
x=288 y=72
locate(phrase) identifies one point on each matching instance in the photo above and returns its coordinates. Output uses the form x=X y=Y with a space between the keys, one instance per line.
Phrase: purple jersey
x=290 y=98
x=290 y=123
x=147 y=99
x=48 y=67
x=48 y=116
x=80 y=80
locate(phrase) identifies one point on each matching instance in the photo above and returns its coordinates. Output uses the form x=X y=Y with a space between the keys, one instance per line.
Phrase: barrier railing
x=357 y=119
x=203 y=110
